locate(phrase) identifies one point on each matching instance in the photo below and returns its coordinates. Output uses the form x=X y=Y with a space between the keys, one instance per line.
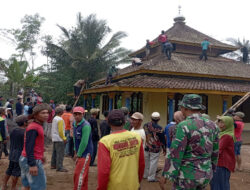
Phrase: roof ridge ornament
x=179 y=7
x=179 y=18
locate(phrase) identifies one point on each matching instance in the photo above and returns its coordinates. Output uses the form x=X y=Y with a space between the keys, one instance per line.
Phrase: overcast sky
x=140 y=19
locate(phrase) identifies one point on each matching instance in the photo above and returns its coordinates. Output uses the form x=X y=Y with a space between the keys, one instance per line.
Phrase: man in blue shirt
x=205 y=44
x=170 y=128
x=166 y=131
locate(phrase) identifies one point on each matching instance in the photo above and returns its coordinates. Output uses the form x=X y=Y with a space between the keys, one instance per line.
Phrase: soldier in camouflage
x=194 y=152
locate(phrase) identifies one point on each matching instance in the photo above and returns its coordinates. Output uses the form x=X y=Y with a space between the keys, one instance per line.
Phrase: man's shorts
x=34 y=182
x=237 y=147
x=13 y=169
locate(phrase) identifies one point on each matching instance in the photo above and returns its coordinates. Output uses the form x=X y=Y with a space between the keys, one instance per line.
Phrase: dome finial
x=179 y=7
x=179 y=17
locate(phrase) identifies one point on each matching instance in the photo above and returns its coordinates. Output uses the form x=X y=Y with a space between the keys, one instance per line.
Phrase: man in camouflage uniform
x=194 y=150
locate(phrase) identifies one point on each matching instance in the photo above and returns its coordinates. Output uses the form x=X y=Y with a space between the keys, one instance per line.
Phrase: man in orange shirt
x=68 y=120
x=120 y=156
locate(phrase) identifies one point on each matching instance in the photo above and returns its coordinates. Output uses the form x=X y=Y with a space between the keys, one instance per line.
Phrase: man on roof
x=168 y=47
x=148 y=48
x=78 y=86
x=162 y=40
x=136 y=62
x=244 y=51
x=204 y=45
x=110 y=73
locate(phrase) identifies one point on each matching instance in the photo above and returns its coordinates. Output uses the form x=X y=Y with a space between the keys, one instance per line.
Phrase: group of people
x=167 y=47
x=198 y=151
x=202 y=152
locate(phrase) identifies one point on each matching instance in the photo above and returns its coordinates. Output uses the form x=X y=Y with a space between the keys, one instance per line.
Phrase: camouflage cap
x=192 y=102
x=125 y=110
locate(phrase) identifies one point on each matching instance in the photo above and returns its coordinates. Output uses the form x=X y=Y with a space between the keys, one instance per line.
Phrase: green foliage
x=240 y=44
x=26 y=37
x=17 y=75
x=84 y=52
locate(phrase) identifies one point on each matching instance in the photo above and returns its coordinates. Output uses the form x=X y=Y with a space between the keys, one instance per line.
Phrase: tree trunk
x=12 y=89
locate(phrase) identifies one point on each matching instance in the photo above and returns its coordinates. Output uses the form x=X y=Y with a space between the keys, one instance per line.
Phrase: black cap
x=116 y=118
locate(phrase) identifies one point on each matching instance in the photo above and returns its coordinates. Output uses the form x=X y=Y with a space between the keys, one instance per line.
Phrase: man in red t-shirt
x=239 y=125
x=162 y=40
x=32 y=157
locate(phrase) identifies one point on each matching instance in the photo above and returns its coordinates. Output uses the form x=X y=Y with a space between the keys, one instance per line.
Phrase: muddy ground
x=56 y=181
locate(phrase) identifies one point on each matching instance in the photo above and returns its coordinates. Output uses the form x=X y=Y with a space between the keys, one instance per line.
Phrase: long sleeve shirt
x=194 y=150
x=61 y=130
x=33 y=148
x=226 y=153
x=120 y=161
x=58 y=129
x=29 y=146
x=83 y=139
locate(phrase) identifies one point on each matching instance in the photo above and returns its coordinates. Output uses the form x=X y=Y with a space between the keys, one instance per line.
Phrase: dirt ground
x=56 y=181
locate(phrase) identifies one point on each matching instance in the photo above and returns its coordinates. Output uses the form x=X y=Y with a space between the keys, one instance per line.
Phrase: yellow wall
x=215 y=104
x=158 y=102
x=155 y=102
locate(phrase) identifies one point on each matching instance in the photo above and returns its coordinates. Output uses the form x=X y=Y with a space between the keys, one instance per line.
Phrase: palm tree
x=87 y=47
x=17 y=74
x=244 y=49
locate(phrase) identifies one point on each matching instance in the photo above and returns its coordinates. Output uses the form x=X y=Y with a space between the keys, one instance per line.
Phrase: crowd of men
x=198 y=151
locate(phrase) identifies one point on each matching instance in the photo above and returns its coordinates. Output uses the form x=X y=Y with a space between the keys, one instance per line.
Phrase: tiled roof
x=184 y=33
x=217 y=66
x=190 y=64
x=190 y=83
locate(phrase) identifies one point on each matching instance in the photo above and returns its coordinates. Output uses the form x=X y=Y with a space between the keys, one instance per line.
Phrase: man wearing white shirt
x=136 y=123
x=59 y=140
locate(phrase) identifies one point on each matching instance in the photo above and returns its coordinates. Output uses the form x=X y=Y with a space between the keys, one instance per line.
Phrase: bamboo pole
x=238 y=103
x=78 y=96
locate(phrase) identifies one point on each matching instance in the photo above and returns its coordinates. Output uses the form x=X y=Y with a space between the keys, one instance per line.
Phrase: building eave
x=159 y=90
x=146 y=71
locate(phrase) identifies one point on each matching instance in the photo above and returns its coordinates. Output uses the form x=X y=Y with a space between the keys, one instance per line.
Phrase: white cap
x=155 y=115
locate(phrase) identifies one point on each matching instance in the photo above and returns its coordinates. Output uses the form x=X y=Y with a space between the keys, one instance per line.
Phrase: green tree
x=85 y=45
x=26 y=37
x=84 y=52
x=17 y=75
x=243 y=45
